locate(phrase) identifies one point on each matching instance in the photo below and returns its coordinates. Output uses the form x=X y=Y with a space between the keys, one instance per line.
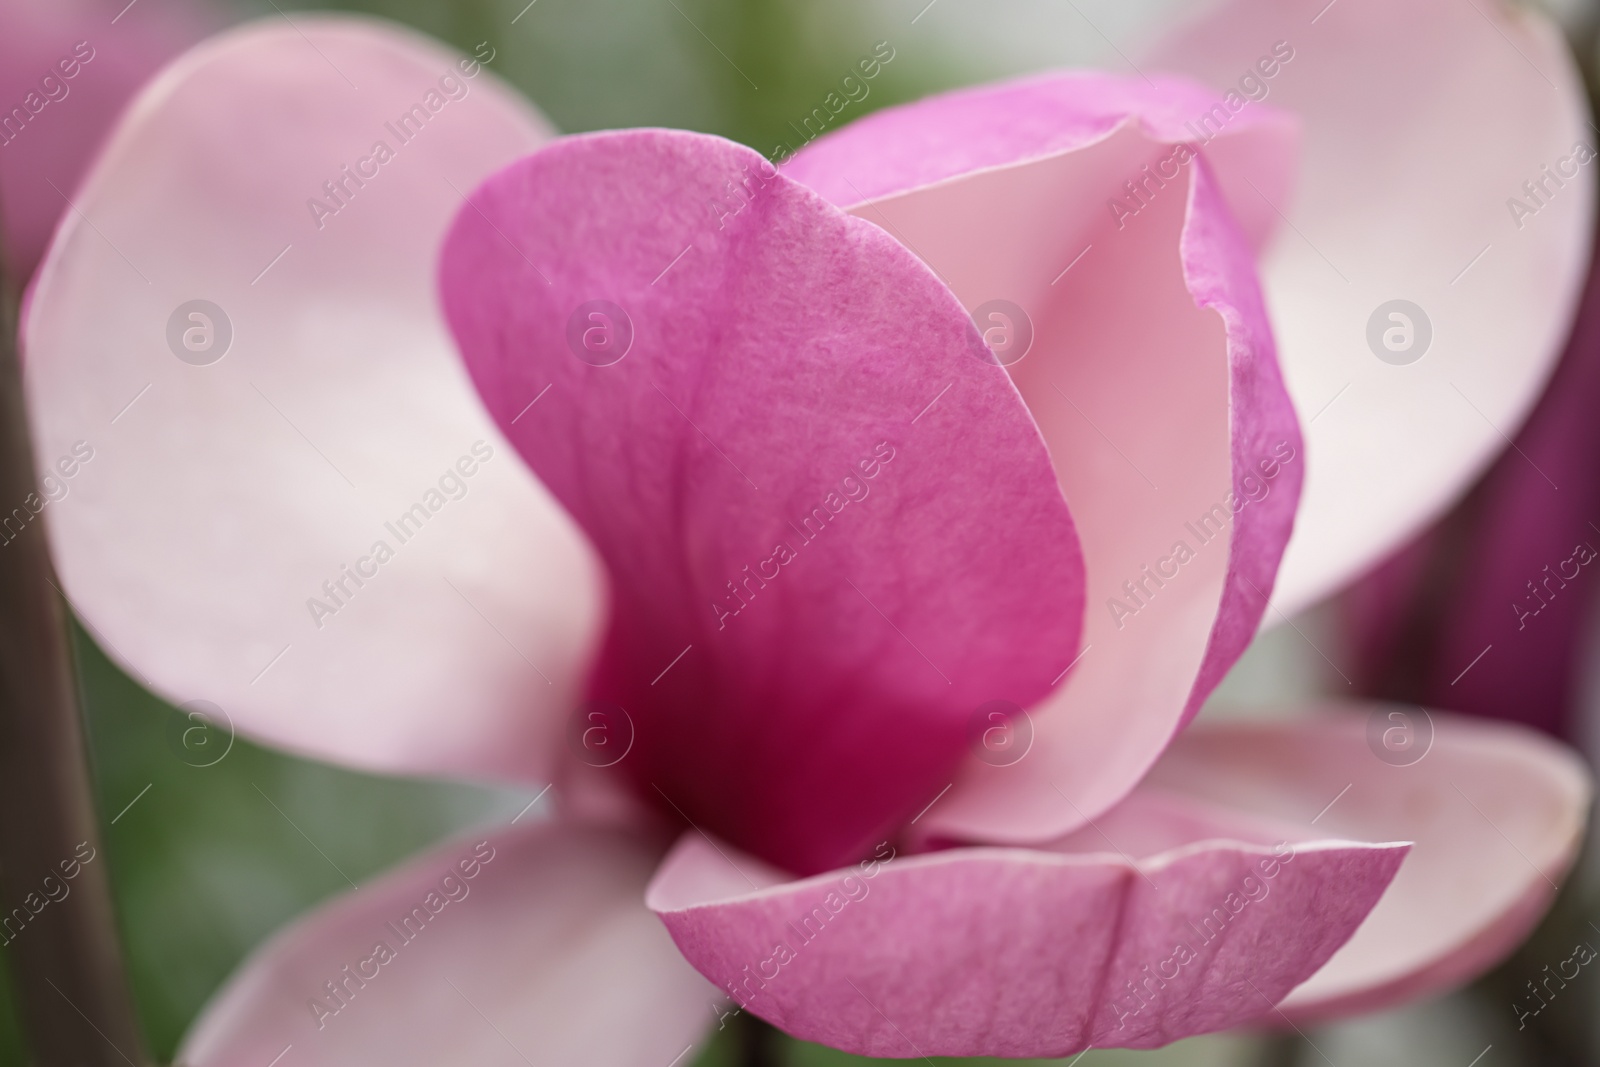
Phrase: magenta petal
x=1152 y=374
x=1017 y=952
x=523 y=944
x=831 y=526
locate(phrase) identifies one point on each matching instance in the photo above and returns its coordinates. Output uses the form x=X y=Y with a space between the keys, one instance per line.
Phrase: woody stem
x=56 y=923
x=757 y=1043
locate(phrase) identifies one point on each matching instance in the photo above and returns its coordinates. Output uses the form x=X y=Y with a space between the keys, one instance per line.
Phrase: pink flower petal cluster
x=434 y=444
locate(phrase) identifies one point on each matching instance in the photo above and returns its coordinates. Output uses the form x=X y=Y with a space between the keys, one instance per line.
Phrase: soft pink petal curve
x=832 y=528
x=311 y=524
x=1026 y=952
x=1385 y=89
x=957 y=134
x=67 y=68
x=522 y=942
x=1152 y=375
x=1496 y=812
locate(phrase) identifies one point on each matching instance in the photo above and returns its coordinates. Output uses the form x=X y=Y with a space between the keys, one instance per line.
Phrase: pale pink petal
x=518 y=946
x=1496 y=813
x=766 y=372
x=1151 y=374
x=1523 y=621
x=956 y=134
x=67 y=69
x=1387 y=91
x=1023 y=952
x=202 y=507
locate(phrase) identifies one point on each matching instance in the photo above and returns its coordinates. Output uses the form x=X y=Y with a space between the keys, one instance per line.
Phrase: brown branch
x=57 y=933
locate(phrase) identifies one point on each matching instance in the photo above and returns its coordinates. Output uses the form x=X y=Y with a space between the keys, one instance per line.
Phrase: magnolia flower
x=875 y=524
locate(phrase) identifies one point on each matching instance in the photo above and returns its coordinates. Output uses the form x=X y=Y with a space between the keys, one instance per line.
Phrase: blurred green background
x=207 y=861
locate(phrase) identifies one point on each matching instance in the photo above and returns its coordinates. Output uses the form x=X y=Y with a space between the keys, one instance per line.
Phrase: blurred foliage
x=744 y=69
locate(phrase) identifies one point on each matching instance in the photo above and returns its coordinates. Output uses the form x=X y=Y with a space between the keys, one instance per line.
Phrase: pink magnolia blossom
x=478 y=427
